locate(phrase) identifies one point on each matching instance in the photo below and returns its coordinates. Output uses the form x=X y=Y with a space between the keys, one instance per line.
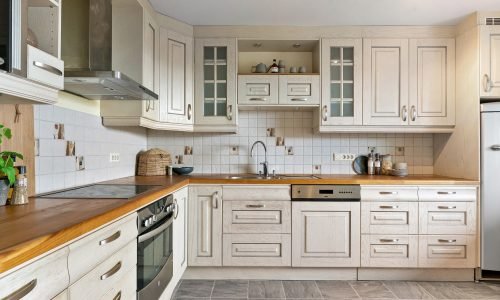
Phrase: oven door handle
x=152 y=233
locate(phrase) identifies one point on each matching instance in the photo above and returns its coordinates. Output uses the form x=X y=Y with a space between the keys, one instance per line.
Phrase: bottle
x=20 y=194
x=371 y=164
x=274 y=67
x=377 y=164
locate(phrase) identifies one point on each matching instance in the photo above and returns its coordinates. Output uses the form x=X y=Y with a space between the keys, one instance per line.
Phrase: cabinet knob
x=487 y=83
x=190 y=112
x=404 y=113
x=325 y=113
x=229 y=112
x=413 y=113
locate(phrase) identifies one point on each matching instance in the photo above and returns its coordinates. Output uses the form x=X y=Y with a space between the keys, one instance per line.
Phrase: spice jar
x=20 y=194
x=386 y=164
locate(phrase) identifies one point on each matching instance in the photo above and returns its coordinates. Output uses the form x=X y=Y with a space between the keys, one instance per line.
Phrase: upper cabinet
x=150 y=64
x=490 y=61
x=341 y=96
x=215 y=85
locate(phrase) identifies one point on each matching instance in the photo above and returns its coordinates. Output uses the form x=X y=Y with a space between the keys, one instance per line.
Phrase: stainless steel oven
x=13 y=35
x=154 y=248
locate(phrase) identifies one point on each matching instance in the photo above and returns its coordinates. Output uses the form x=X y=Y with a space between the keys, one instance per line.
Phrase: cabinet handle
x=229 y=112
x=215 y=200
x=176 y=209
x=111 y=238
x=299 y=99
x=413 y=113
x=404 y=112
x=446 y=207
x=48 y=68
x=388 y=193
x=487 y=83
x=257 y=99
x=495 y=147
x=389 y=206
x=446 y=241
x=190 y=112
x=446 y=193
x=325 y=113
x=112 y=271
x=389 y=240
x=255 y=206
x=23 y=291
x=118 y=296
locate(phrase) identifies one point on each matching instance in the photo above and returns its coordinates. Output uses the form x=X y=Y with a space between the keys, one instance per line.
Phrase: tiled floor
x=262 y=289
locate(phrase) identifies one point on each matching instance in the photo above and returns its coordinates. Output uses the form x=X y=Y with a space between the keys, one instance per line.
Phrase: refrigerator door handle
x=495 y=147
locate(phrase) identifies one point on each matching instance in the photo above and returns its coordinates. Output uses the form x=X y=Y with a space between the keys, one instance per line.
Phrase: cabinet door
x=341 y=96
x=215 y=78
x=432 y=82
x=490 y=61
x=257 y=89
x=180 y=232
x=385 y=82
x=176 y=77
x=151 y=62
x=299 y=90
x=205 y=226
x=325 y=234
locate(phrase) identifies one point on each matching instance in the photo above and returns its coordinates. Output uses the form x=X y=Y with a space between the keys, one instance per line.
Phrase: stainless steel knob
x=146 y=223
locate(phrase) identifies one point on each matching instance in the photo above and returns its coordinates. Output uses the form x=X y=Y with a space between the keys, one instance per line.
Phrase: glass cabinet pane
x=348 y=55
x=335 y=109
x=215 y=78
x=335 y=73
x=335 y=54
x=208 y=53
x=342 y=81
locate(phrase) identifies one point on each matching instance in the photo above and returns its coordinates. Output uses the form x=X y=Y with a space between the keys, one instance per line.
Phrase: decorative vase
x=4 y=191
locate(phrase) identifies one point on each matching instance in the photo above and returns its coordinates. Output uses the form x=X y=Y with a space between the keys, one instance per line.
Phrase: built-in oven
x=154 y=248
x=13 y=34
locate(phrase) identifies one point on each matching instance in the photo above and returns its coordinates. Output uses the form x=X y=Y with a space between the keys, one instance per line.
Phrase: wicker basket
x=153 y=162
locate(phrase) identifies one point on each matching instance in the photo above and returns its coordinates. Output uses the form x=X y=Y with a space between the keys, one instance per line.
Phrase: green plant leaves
x=7 y=157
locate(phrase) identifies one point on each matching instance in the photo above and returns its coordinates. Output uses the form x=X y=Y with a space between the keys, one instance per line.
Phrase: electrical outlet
x=343 y=156
x=80 y=163
x=400 y=151
x=372 y=148
x=114 y=157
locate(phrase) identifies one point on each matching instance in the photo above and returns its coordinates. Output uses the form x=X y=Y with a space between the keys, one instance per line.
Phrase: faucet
x=265 y=163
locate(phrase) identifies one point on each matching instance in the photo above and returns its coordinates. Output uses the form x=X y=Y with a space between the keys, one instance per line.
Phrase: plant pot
x=4 y=191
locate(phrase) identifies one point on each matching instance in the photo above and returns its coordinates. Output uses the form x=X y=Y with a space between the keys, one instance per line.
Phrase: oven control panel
x=155 y=213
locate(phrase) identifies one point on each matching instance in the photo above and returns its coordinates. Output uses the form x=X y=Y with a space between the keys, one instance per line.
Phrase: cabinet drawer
x=390 y=193
x=257 y=216
x=257 y=192
x=125 y=289
x=45 y=278
x=257 y=89
x=447 y=217
x=447 y=251
x=264 y=250
x=106 y=275
x=389 y=251
x=389 y=217
x=102 y=244
x=447 y=194
x=299 y=89
x=45 y=68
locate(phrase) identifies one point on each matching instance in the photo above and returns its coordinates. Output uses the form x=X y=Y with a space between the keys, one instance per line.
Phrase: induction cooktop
x=102 y=191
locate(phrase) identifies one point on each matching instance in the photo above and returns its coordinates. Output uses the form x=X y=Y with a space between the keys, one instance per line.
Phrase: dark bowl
x=183 y=170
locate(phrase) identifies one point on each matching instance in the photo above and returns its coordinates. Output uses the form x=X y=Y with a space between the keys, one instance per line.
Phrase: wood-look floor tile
x=407 y=290
x=266 y=289
x=477 y=290
x=443 y=290
x=233 y=289
x=331 y=289
x=301 y=289
x=372 y=289
x=194 y=289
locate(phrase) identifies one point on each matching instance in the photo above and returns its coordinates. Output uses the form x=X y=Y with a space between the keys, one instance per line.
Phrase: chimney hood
x=87 y=50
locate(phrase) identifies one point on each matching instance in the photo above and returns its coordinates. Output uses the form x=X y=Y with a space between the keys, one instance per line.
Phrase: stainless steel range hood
x=87 y=47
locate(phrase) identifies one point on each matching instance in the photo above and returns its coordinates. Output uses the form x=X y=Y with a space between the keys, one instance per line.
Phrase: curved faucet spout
x=265 y=163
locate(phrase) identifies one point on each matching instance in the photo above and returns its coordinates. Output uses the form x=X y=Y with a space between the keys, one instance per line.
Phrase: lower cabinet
x=447 y=251
x=180 y=232
x=257 y=250
x=325 y=234
x=389 y=251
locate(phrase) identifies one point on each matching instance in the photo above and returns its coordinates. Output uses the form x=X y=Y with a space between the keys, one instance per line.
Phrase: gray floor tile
x=232 y=289
x=301 y=290
x=266 y=289
x=407 y=290
x=336 y=289
x=372 y=289
x=194 y=289
x=443 y=290
x=477 y=290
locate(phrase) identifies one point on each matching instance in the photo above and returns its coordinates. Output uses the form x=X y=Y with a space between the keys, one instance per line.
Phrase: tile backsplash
x=302 y=151
x=56 y=162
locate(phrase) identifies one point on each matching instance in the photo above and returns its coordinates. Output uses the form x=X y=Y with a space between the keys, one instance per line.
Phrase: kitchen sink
x=257 y=176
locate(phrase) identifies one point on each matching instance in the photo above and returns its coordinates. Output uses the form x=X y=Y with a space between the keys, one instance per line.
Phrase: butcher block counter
x=46 y=224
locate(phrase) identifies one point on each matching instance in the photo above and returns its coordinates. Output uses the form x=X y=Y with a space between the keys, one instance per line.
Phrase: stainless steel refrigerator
x=490 y=186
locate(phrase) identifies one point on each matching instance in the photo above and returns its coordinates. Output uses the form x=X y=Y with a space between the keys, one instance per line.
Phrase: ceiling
x=322 y=12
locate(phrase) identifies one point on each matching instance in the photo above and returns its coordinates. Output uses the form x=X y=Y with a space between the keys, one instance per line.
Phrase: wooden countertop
x=31 y=230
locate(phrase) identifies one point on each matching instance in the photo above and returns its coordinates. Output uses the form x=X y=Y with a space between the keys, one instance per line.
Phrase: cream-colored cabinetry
x=389 y=251
x=215 y=85
x=45 y=278
x=490 y=61
x=205 y=226
x=180 y=232
x=299 y=90
x=325 y=234
x=258 y=90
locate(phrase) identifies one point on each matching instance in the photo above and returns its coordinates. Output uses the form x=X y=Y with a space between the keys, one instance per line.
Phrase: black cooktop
x=102 y=191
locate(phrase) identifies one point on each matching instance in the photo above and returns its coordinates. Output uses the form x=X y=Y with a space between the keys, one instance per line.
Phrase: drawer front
x=447 y=194
x=391 y=193
x=257 y=217
x=389 y=251
x=102 y=244
x=257 y=89
x=447 y=251
x=447 y=217
x=125 y=289
x=45 y=278
x=257 y=192
x=299 y=90
x=389 y=217
x=263 y=250
x=45 y=68
x=106 y=275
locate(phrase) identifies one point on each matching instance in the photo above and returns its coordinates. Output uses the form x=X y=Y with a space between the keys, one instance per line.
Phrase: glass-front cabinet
x=342 y=82
x=215 y=94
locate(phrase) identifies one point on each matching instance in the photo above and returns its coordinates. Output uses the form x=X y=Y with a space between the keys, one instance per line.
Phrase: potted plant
x=7 y=170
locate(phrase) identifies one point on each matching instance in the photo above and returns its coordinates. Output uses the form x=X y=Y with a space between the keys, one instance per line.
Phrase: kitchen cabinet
x=325 y=234
x=389 y=251
x=432 y=82
x=299 y=90
x=205 y=226
x=180 y=233
x=447 y=251
x=215 y=85
x=258 y=90
x=342 y=82
x=489 y=61
x=151 y=62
